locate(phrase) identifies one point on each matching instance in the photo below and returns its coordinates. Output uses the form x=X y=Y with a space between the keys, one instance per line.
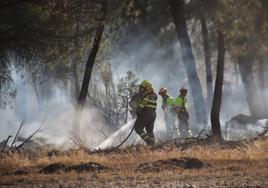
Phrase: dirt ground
x=197 y=165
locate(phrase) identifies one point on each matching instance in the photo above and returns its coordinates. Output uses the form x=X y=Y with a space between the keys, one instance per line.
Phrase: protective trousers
x=146 y=119
x=170 y=119
x=183 y=123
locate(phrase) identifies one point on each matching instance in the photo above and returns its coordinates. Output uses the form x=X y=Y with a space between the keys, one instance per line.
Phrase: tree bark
x=258 y=37
x=76 y=77
x=178 y=13
x=91 y=61
x=236 y=68
x=217 y=99
x=255 y=104
x=88 y=70
x=126 y=118
x=36 y=86
x=3 y=73
x=77 y=59
x=262 y=85
x=261 y=72
x=207 y=53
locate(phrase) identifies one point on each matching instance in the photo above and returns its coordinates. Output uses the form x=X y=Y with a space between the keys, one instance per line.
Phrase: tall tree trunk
x=76 y=77
x=207 y=53
x=236 y=71
x=77 y=59
x=262 y=85
x=126 y=119
x=264 y=70
x=255 y=104
x=35 y=85
x=178 y=13
x=261 y=72
x=217 y=99
x=88 y=70
x=2 y=82
x=258 y=37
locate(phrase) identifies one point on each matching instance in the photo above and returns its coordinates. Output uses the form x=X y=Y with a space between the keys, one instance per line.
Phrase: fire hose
x=118 y=146
x=125 y=138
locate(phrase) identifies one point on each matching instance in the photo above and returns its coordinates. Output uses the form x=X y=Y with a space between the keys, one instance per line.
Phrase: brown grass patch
x=250 y=162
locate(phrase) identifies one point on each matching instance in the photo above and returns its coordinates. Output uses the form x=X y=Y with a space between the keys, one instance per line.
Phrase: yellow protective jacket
x=180 y=103
x=149 y=100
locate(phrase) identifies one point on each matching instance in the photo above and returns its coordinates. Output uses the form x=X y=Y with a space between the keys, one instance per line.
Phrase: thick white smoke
x=55 y=117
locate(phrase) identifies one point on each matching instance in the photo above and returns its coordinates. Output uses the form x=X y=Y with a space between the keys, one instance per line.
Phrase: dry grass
x=234 y=165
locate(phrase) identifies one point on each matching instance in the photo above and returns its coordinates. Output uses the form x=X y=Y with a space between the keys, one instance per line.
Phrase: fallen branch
x=27 y=139
x=184 y=139
x=200 y=133
x=14 y=140
x=30 y=137
x=260 y=135
x=264 y=132
x=5 y=143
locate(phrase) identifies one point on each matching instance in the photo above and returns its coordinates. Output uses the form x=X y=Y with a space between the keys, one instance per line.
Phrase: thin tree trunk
x=6 y=141
x=217 y=99
x=261 y=72
x=3 y=80
x=89 y=66
x=178 y=13
x=36 y=85
x=77 y=59
x=88 y=71
x=207 y=53
x=76 y=77
x=236 y=71
x=126 y=109
x=15 y=138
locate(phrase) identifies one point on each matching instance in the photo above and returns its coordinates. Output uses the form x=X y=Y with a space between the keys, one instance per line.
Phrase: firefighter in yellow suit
x=169 y=112
x=182 y=112
x=146 y=113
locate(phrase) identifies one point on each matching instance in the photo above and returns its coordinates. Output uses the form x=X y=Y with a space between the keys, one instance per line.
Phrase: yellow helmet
x=146 y=85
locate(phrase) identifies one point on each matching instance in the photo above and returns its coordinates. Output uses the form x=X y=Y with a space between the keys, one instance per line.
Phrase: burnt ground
x=199 y=165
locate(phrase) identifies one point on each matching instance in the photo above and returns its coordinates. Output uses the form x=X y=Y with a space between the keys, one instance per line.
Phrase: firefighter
x=183 y=115
x=146 y=113
x=169 y=112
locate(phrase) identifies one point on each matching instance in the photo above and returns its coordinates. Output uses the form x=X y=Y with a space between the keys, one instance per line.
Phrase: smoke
x=54 y=116
x=149 y=58
x=163 y=66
